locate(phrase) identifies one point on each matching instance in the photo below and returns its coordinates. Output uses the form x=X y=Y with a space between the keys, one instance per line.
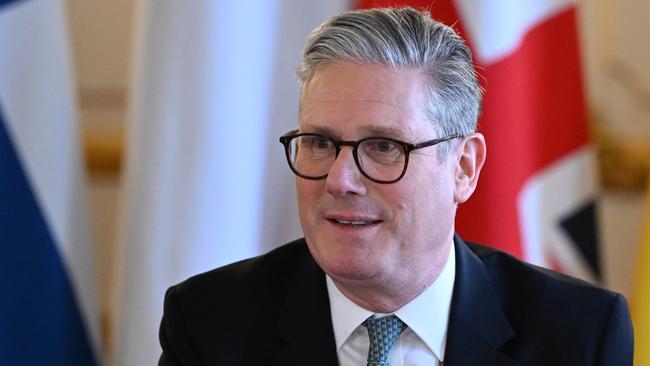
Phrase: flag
x=205 y=180
x=640 y=303
x=536 y=196
x=48 y=312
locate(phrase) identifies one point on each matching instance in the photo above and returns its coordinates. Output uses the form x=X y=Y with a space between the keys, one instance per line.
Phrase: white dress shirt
x=427 y=315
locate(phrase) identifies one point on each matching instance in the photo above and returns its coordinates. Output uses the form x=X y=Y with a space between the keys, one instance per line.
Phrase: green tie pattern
x=383 y=333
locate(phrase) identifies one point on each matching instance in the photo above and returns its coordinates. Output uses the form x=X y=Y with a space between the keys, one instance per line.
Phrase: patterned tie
x=383 y=333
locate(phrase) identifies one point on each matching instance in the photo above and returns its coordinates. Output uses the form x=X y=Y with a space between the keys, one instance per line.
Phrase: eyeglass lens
x=313 y=155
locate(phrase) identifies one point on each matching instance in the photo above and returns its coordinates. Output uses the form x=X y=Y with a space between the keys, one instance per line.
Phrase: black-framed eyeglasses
x=380 y=159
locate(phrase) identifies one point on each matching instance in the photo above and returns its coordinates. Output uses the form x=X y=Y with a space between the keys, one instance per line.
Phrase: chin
x=343 y=265
x=346 y=273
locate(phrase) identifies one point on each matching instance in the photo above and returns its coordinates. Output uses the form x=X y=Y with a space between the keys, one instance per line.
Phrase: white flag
x=206 y=182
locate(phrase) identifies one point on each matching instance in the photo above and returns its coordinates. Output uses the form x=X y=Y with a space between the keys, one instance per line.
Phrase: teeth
x=352 y=222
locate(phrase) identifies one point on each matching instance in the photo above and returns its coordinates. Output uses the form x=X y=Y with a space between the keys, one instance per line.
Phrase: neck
x=387 y=295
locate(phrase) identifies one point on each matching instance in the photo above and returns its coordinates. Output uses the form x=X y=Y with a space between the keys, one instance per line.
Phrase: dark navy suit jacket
x=274 y=310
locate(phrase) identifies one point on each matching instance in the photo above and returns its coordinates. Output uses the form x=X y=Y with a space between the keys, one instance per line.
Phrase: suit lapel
x=304 y=333
x=478 y=328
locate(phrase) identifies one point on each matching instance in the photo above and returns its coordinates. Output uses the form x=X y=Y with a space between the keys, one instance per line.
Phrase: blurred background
x=178 y=106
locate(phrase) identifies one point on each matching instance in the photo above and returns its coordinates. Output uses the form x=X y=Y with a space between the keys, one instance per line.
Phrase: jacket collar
x=478 y=328
x=304 y=330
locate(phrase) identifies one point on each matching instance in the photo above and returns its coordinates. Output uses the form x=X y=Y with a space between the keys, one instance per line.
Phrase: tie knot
x=383 y=333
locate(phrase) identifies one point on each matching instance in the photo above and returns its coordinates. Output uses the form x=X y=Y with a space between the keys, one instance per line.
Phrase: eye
x=382 y=151
x=321 y=142
x=385 y=146
x=380 y=146
x=315 y=142
x=316 y=147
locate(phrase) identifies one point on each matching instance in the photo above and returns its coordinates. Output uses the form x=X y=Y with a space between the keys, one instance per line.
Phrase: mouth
x=354 y=223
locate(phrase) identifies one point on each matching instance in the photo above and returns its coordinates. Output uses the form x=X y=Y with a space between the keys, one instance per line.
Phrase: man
x=385 y=152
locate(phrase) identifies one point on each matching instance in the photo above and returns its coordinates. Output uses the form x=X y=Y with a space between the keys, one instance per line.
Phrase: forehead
x=352 y=99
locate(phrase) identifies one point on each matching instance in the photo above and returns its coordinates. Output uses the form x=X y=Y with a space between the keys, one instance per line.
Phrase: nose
x=344 y=177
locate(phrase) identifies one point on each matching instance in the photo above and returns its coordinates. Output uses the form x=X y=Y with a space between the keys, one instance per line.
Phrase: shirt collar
x=346 y=315
x=427 y=314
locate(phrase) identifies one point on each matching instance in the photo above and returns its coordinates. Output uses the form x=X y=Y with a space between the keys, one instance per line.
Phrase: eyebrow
x=387 y=131
x=322 y=130
x=377 y=131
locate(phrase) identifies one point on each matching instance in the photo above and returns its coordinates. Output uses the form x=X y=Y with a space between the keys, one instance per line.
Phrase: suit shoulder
x=235 y=305
x=528 y=289
x=274 y=263
x=551 y=309
x=505 y=267
x=249 y=273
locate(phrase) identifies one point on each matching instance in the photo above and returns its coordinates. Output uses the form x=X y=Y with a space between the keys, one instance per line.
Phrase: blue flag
x=46 y=272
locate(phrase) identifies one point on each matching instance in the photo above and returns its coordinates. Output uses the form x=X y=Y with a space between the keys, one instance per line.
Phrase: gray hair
x=404 y=38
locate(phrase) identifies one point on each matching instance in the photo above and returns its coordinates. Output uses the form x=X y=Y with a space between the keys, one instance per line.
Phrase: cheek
x=308 y=193
x=306 y=189
x=404 y=207
x=428 y=202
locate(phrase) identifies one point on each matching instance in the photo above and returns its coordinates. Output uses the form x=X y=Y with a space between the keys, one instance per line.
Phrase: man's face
x=401 y=231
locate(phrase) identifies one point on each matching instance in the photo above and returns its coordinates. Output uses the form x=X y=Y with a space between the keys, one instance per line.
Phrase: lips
x=352 y=220
x=355 y=222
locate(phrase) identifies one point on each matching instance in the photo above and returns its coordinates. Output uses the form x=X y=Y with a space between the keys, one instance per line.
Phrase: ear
x=470 y=156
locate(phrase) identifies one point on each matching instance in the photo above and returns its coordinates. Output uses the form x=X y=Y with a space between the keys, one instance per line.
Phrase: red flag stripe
x=534 y=114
